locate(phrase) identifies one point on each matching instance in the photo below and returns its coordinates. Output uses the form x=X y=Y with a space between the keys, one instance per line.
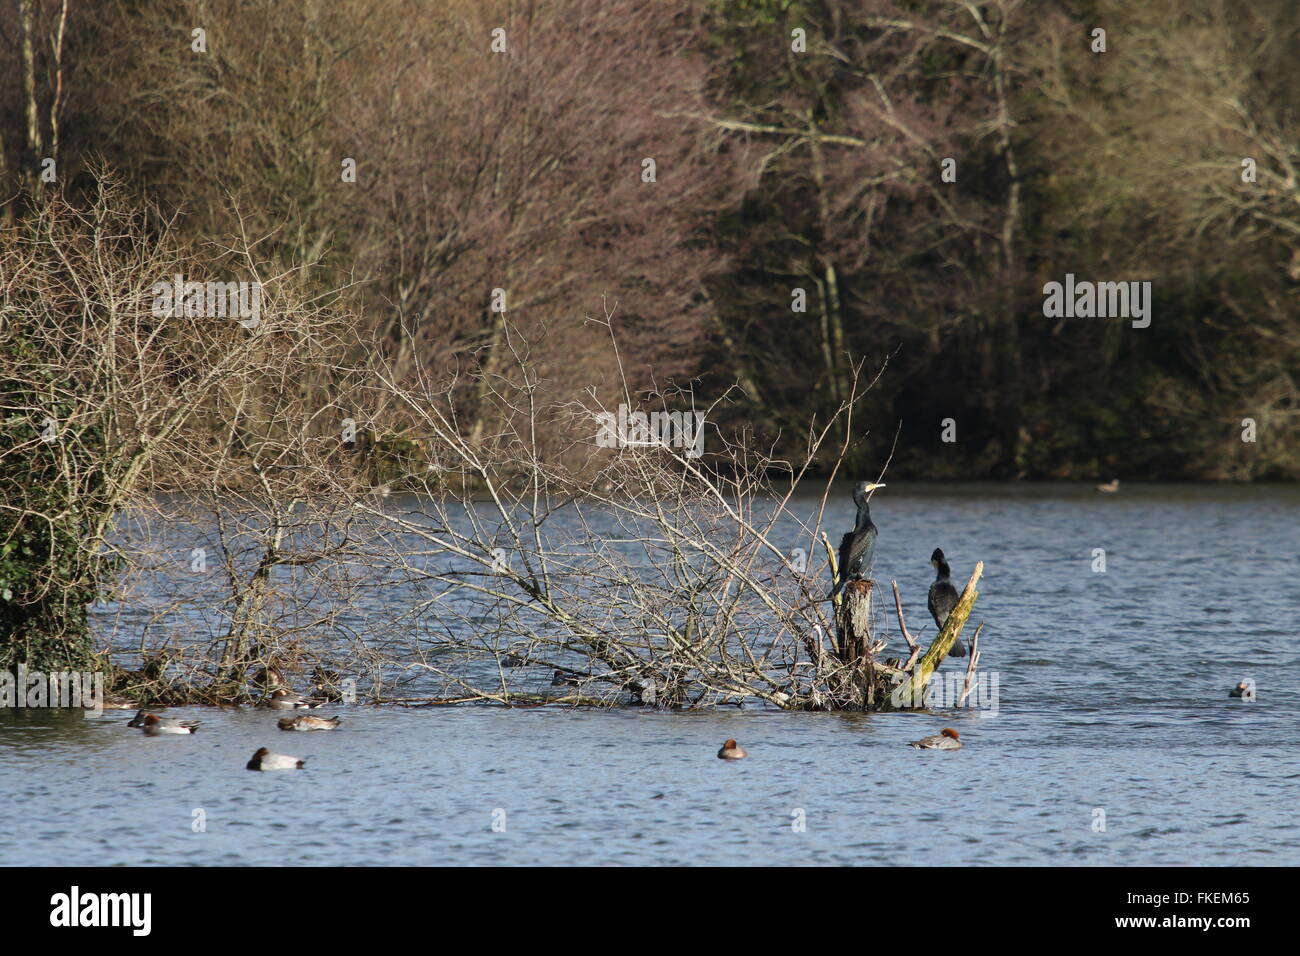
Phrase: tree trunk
x=857 y=682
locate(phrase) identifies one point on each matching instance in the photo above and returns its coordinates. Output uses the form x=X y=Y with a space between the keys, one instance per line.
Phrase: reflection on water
x=1113 y=695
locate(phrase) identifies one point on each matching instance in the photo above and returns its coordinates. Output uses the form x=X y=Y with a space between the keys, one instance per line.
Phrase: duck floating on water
x=1244 y=689
x=1109 y=487
x=154 y=726
x=946 y=739
x=731 y=751
x=943 y=598
x=327 y=685
x=308 y=722
x=265 y=760
x=288 y=700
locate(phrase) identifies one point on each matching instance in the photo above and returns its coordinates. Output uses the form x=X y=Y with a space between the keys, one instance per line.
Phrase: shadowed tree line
x=791 y=171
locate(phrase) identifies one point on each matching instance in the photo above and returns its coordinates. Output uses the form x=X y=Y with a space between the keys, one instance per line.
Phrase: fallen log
x=911 y=692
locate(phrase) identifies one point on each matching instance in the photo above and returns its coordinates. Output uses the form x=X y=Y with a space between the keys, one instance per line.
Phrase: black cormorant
x=943 y=598
x=858 y=547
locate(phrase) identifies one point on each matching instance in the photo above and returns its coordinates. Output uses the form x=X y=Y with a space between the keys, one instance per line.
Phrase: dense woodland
x=782 y=162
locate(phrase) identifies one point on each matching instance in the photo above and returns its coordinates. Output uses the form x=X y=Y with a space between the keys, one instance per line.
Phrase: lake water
x=1113 y=699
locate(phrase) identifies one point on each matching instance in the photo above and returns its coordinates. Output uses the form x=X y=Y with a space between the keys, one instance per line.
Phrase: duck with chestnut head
x=731 y=751
x=946 y=739
x=155 y=726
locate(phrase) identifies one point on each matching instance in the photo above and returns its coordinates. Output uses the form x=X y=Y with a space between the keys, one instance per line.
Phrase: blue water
x=1113 y=699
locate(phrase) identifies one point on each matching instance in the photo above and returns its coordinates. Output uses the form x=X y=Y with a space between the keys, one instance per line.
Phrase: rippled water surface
x=1113 y=694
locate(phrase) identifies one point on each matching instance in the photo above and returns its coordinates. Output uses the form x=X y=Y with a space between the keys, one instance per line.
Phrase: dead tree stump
x=857 y=680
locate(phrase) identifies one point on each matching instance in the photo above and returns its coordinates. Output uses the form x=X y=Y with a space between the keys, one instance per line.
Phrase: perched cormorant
x=858 y=547
x=943 y=598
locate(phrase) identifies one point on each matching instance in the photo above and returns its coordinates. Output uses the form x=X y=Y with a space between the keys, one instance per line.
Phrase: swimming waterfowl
x=265 y=760
x=288 y=700
x=946 y=739
x=307 y=722
x=153 y=725
x=731 y=751
x=943 y=598
x=326 y=685
x=138 y=719
x=1109 y=487
x=1241 y=689
x=560 y=679
x=269 y=679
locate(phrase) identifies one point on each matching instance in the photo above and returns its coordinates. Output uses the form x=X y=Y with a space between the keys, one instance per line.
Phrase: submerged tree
x=52 y=485
x=499 y=575
x=107 y=380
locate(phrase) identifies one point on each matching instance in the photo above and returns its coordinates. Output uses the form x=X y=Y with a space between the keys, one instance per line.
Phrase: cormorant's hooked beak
x=872 y=486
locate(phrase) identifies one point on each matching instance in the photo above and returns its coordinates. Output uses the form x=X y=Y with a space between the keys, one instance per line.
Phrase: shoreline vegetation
x=258 y=283
x=688 y=599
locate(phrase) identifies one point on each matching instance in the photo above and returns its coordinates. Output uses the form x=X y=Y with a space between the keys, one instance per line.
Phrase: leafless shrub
x=681 y=575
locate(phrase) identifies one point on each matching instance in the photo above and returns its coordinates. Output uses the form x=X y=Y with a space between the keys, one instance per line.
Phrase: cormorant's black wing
x=861 y=551
x=842 y=574
x=942 y=599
